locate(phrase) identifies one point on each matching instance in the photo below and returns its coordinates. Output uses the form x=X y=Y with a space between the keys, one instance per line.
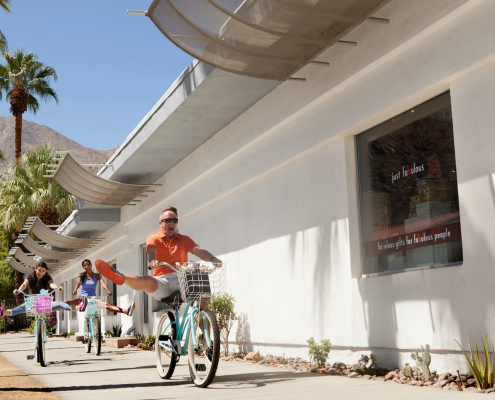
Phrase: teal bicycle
x=38 y=305
x=197 y=333
x=95 y=309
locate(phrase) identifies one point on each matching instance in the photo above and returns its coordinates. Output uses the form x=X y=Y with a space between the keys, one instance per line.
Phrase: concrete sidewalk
x=131 y=374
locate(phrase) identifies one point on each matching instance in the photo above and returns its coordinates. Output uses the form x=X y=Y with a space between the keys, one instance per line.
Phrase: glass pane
x=408 y=185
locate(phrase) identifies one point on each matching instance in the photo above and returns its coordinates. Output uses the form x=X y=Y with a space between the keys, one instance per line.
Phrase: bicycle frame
x=183 y=329
x=39 y=320
x=89 y=322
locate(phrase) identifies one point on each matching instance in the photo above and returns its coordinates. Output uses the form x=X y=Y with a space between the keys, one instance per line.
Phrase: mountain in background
x=35 y=135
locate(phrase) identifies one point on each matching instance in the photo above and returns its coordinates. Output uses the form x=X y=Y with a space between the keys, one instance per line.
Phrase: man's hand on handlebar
x=154 y=264
x=60 y=289
x=16 y=291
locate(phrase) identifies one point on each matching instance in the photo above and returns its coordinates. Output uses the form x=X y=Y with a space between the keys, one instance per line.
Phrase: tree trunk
x=18 y=137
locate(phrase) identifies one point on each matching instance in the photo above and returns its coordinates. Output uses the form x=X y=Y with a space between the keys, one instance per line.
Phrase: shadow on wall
x=243 y=334
x=452 y=303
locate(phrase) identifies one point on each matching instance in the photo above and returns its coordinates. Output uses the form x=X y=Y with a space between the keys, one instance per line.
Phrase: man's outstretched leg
x=146 y=283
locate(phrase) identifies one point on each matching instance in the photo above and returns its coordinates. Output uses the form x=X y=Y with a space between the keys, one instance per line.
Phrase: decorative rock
x=367 y=377
x=348 y=366
x=428 y=384
x=352 y=374
x=419 y=384
x=444 y=376
x=480 y=391
x=471 y=381
x=252 y=356
x=230 y=358
x=441 y=383
x=490 y=390
x=389 y=376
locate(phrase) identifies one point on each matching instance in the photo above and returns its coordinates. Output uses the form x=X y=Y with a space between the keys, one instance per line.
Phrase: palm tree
x=22 y=77
x=3 y=41
x=26 y=193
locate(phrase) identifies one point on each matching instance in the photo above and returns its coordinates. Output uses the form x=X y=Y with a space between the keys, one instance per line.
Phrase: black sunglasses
x=169 y=220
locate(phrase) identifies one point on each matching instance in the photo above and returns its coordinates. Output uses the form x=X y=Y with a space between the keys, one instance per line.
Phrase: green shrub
x=319 y=352
x=223 y=308
x=108 y=333
x=64 y=334
x=71 y=333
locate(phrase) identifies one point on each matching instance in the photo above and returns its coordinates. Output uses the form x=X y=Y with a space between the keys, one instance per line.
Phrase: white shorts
x=167 y=284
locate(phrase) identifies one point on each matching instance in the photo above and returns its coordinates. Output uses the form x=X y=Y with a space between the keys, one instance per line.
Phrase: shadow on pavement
x=119 y=386
x=97 y=370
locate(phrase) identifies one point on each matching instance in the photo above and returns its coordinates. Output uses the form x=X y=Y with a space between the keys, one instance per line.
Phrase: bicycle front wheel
x=203 y=358
x=41 y=344
x=87 y=335
x=97 y=335
x=165 y=359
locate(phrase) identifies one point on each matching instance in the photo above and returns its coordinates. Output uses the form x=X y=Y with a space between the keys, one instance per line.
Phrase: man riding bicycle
x=167 y=245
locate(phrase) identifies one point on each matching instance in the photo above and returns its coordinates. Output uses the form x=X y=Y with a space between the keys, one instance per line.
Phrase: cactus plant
x=424 y=361
x=407 y=371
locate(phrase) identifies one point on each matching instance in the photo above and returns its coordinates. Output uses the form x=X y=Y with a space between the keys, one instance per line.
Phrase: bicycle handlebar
x=26 y=294
x=175 y=269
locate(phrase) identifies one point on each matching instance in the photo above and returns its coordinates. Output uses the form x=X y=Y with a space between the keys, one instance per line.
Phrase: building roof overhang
x=265 y=39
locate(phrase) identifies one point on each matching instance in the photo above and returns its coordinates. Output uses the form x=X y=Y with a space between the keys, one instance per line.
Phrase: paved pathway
x=130 y=374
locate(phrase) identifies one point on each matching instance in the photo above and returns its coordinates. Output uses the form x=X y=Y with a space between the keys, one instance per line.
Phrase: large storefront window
x=408 y=189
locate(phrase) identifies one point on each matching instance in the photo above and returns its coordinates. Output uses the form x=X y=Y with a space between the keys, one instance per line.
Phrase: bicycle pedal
x=30 y=357
x=163 y=338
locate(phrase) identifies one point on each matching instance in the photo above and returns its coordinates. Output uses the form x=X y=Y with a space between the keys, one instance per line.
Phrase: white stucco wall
x=274 y=195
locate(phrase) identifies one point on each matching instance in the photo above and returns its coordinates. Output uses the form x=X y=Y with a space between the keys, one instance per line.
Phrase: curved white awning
x=19 y=267
x=31 y=262
x=86 y=186
x=41 y=251
x=267 y=39
x=36 y=226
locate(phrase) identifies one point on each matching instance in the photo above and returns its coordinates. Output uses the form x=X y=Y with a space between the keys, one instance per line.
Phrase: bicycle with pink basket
x=38 y=305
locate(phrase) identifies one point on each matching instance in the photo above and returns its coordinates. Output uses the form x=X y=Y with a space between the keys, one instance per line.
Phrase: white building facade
x=267 y=177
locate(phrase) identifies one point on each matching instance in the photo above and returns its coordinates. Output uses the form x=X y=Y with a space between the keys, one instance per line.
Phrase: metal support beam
x=348 y=43
x=379 y=20
x=323 y=63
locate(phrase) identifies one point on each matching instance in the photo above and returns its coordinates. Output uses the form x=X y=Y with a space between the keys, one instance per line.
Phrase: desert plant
x=424 y=361
x=149 y=344
x=483 y=376
x=407 y=371
x=223 y=308
x=141 y=338
x=64 y=334
x=116 y=330
x=319 y=352
x=359 y=369
x=72 y=333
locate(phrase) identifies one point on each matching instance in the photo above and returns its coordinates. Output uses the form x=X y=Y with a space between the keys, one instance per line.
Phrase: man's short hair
x=170 y=208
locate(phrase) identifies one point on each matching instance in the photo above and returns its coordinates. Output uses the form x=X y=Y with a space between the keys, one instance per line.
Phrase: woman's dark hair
x=83 y=276
x=41 y=283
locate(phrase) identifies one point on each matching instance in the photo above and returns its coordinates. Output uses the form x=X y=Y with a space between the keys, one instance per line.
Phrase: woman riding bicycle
x=88 y=281
x=37 y=281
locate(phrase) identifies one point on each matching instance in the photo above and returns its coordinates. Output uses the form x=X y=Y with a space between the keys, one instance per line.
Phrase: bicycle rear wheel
x=203 y=360
x=41 y=344
x=87 y=335
x=165 y=359
x=97 y=335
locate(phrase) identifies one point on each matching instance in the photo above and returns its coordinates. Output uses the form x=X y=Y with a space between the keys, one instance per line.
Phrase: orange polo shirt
x=170 y=250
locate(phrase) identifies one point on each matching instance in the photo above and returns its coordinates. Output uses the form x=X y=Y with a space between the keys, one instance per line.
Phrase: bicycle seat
x=169 y=301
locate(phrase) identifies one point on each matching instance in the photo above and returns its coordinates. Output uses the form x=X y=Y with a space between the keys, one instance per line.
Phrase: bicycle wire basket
x=97 y=306
x=201 y=280
x=37 y=304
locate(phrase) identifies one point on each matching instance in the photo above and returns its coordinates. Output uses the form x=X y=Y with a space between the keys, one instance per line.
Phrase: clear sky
x=112 y=67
